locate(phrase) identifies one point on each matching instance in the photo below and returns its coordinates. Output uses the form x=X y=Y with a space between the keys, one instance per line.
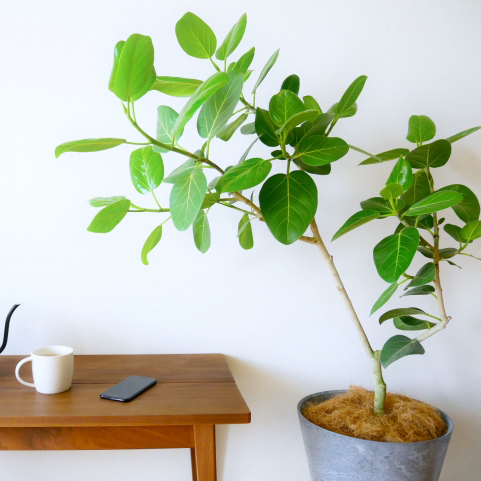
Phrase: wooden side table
x=194 y=392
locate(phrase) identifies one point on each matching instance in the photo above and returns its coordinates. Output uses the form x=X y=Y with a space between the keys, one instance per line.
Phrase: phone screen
x=129 y=388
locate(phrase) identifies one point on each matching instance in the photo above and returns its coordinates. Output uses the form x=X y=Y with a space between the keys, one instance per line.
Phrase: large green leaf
x=210 y=199
x=109 y=217
x=195 y=37
x=420 y=189
x=291 y=83
x=135 y=71
x=462 y=134
x=421 y=129
x=385 y=156
x=296 y=119
x=176 y=86
x=265 y=70
x=311 y=103
x=391 y=191
x=409 y=323
x=401 y=311
x=87 y=145
x=468 y=209
x=232 y=39
x=217 y=110
x=349 y=112
x=402 y=174
x=318 y=150
x=351 y=95
x=288 y=204
x=186 y=197
x=359 y=218
x=244 y=233
x=471 y=231
x=203 y=92
x=435 y=202
x=394 y=254
x=187 y=166
x=425 y=275
x=419 y=291
x=166 y=117
x=384 y=297
x=435 y=154
x=201 y=231
x=397 y=347
x=150 y=243
x=228 y=131
x=283 y=106
x=244 y=175
x=319 y=126
x=377 y=203
x=321 y=170
x=146 y=169
x=115 y=66
x=454 y=231
x=103 y=201
x=265 y=129
x=245 y=61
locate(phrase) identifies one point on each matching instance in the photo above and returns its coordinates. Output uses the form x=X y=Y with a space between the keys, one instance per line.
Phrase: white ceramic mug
x=52 y=368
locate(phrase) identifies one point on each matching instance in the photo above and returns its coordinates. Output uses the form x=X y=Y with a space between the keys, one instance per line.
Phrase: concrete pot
x=335 y=457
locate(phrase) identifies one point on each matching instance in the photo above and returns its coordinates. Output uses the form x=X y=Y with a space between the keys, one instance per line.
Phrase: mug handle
x=17 y=372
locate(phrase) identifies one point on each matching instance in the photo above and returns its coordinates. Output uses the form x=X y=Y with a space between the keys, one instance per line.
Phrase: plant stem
x=380 y=389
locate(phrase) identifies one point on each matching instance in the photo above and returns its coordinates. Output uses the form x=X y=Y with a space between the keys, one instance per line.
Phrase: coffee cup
x=52 y=368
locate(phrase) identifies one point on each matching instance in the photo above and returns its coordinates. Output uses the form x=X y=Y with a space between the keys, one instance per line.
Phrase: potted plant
x=297 y=133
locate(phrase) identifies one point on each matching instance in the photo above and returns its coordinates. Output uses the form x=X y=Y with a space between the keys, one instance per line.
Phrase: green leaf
x=265 y=70
x=283 y=106
x=421 y=129
x=468 y=209
x=217 y=110
x=88 y=145
x=394 y=254
x=351 y=95
x=321 y=170
x=249 y=129
x=228 y=131
x=296 y=119
x=109 y=217
x=166 y=117
x=384 y=297
x=471 y=231
x=117 y=51
x=288 y=204
x=210 y=199
x=385 y=156
x=265 y=129
x=391 y=191
x=377 y=203
x=244 y=233
x=447 y=252
x=201 y=231
x=319 y=126
x=435 y=154
x=291 y=83
x=244 y=176
x=356 y=220
x=462 y=134
x=310 y=103
x=397 y=347
x=103 y=201
x=244 y=62
x=203 y=92
x=420 y=189
x=176 y=86
x=187 y=166
x=146 y=169
x=150 y=243
x=435 y=202
x=195 y=37
x=347 y=113
x=186 y=197
x=318 y=150
x=402 y=311
x=402 y=174
x=419 y=291
x=408 y=323
x=232 y=39
x=425 y=275
x=135 y=72
x=454 y=231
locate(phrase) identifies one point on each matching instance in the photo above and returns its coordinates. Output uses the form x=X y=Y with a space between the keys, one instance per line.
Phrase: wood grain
x=205 y=458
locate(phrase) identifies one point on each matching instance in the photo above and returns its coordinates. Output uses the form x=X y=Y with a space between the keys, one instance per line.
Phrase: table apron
x=95 y=438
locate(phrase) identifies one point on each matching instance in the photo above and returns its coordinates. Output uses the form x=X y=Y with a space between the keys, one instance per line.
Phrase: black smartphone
x=128 y=389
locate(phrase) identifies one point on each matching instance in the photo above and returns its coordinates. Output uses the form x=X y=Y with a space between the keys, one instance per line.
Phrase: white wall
x=272 y=310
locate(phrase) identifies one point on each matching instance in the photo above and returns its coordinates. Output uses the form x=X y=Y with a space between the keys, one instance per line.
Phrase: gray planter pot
x=335 y=457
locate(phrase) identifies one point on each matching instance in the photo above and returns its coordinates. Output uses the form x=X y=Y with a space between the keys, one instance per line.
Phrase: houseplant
x=298 y=131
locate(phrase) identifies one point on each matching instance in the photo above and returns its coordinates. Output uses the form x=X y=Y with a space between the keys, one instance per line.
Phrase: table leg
x=205 y=462
x=194 y=464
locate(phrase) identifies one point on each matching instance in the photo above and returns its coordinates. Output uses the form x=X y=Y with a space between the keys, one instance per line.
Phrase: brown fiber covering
x=352 y=414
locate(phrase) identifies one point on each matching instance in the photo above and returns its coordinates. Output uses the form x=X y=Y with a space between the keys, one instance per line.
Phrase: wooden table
x=193 y=393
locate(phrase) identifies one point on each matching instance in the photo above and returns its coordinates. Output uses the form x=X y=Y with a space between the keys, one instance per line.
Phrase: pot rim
x=446 y=418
